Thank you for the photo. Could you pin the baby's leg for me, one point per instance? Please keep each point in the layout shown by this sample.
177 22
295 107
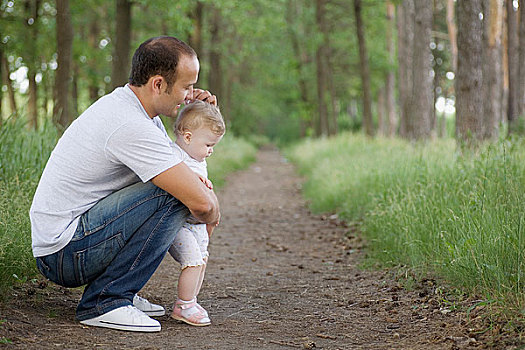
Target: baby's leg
186 308
190 282
185 249
201 276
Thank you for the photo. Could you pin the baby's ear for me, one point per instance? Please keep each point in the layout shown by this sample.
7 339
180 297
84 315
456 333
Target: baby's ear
187 136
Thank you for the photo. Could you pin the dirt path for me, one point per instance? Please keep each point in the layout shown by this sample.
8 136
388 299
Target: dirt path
279 277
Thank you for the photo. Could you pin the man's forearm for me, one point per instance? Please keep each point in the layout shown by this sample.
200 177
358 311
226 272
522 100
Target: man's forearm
183 184
212 214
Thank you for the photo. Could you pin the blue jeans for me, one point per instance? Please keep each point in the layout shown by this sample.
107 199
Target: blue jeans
118 245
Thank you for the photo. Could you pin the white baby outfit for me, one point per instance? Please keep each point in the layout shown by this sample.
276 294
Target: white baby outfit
190 246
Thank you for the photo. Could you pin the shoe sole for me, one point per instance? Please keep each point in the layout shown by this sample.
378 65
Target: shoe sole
155 313
189 322
121 327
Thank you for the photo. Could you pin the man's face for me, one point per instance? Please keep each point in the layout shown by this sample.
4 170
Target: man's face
182 89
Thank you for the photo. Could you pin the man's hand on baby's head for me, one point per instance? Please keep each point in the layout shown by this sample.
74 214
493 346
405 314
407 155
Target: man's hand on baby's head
204 95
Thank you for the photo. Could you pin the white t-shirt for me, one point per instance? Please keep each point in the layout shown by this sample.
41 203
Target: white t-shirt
201 168
113 144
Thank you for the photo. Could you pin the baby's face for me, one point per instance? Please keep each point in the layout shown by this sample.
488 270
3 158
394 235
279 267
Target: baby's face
199 143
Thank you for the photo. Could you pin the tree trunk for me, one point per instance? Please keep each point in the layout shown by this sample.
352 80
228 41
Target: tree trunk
74 89
32 109
47 94
121 59
420 110
492 67
435 85
31 57
195 39
322 72
381 112
9 84
469 99
452 33
365 72
512 37
2 73
505 52
390 93
334 112
93 42
405 25
64 32
521 79
301 60
215 82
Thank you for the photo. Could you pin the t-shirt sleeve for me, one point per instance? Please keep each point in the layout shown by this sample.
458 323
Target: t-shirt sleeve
143 148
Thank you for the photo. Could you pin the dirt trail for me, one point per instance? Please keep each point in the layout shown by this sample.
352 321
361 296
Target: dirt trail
279 277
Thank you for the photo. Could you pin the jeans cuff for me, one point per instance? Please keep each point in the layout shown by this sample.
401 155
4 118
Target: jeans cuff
101 309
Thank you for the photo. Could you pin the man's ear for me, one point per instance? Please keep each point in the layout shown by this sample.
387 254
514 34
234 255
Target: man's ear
187 137
156 84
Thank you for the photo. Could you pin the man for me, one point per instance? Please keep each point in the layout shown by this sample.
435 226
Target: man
114 192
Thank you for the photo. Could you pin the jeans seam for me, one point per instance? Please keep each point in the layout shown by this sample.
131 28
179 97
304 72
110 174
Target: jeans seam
60 265
79 261
135 205
43 264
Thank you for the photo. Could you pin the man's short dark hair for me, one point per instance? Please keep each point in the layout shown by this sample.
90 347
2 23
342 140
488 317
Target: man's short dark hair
158 56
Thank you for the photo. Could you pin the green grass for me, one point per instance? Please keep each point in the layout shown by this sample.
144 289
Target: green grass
230 154
428 206
23 155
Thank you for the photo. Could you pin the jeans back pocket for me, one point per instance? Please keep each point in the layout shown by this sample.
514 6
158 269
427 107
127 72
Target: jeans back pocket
91 262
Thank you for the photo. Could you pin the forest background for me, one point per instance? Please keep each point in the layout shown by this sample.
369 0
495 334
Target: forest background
437 87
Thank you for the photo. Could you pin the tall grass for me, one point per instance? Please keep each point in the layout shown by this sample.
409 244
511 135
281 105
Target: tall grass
428 206
23 155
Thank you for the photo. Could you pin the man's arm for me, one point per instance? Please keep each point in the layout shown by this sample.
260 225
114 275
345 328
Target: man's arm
182 183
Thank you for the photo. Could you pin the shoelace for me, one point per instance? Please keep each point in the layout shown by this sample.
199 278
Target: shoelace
135 313
140 299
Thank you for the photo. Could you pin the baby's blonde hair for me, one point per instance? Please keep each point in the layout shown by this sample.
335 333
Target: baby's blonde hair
200 114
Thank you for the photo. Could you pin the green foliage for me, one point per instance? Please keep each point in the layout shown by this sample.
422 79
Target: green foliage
257 140
229 155
267 86
456 214
24 154
4 340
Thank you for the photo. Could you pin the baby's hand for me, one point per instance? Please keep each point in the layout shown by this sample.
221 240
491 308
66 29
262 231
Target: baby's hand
209 228
193 220
206 182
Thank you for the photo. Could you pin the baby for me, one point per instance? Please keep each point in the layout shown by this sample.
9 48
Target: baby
198 129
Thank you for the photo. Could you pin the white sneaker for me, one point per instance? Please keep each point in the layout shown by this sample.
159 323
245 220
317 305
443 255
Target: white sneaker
125 318
148 308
